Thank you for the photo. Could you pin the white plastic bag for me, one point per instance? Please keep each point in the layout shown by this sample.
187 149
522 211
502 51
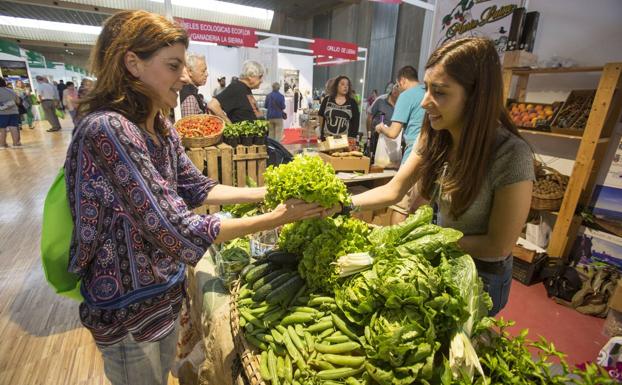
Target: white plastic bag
388 151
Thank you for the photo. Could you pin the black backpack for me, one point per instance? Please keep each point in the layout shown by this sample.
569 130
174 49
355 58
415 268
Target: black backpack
277 154
561 281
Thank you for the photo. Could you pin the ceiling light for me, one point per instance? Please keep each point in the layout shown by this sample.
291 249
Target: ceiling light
224 7
49 25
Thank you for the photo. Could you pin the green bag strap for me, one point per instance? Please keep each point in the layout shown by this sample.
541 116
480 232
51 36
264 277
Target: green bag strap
56 234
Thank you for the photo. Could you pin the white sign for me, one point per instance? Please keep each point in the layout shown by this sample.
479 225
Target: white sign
456 19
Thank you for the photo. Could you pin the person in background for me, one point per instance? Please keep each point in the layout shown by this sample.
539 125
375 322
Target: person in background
23 92
134 231
9 115
309 99
407 119
371 98
61 86
339 112
189 94
49 100
86 85
275 104
70 100
381 111
237 103
222 84
470 161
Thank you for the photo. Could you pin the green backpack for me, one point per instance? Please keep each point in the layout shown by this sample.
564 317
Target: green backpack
56 240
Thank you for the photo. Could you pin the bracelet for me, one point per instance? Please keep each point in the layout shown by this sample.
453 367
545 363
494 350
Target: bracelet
346 210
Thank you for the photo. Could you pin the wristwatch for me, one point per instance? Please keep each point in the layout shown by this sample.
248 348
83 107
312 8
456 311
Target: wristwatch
347 209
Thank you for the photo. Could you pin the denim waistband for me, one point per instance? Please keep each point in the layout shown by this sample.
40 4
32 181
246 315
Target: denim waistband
496 267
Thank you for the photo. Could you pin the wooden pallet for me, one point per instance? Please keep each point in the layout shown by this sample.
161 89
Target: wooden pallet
229 166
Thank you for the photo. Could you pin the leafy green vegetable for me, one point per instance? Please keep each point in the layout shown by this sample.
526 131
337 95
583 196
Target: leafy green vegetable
343 236
391 235
430 245
357 297
296 236
307 178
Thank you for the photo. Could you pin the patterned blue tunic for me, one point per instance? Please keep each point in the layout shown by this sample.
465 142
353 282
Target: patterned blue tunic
134 231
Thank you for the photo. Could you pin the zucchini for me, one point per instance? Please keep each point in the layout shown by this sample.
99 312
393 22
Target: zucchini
282 257
246 269
284 292
270 286
258 272
268 277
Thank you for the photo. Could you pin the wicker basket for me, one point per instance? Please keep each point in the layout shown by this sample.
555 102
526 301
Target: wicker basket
204 141
247 353
552 199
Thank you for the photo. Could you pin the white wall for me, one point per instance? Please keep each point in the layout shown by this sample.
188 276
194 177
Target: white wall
302 63
588 32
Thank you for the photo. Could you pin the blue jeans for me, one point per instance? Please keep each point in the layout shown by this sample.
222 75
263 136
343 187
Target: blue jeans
140 363
497 281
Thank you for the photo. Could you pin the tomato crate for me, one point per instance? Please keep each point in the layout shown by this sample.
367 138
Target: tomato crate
230 166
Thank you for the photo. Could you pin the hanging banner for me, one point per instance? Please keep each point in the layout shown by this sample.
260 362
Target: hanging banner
35 59
456 19
221 34
334 49
10 48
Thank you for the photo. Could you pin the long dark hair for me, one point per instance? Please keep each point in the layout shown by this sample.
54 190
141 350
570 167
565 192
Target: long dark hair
116 88
474 64
335 86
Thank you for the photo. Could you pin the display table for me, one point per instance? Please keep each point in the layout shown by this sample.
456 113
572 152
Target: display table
213 360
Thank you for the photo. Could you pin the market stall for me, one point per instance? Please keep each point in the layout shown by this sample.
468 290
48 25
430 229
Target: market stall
337 300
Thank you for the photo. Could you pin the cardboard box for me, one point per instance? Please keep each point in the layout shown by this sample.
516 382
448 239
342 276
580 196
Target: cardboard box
347 164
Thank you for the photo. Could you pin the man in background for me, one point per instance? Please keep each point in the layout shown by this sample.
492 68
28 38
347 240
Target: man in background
275 104
189 94
407 117
48 96
222 84
61 86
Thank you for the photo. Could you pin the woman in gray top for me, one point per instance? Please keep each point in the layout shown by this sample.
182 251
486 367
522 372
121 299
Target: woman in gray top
470 161
9 115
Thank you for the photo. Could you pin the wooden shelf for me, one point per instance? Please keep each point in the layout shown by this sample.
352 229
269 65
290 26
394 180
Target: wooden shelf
582 179
562 70
555 135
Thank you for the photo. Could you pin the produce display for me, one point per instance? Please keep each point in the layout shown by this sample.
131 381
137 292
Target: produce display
576 110
246 128
394 305
532 114
307 178
197 126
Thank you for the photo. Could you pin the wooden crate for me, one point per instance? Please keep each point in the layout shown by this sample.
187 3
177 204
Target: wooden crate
229 166
249 161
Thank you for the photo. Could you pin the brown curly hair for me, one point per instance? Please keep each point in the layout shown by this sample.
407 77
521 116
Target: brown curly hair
116 89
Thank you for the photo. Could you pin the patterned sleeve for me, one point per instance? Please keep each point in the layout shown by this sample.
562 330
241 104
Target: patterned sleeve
192 185
146 198
190 106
